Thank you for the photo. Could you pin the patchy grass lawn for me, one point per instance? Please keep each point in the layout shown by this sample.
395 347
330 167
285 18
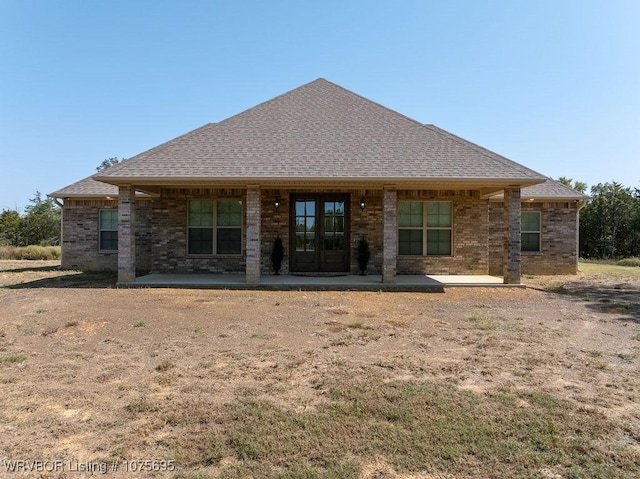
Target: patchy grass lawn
478 382
595 268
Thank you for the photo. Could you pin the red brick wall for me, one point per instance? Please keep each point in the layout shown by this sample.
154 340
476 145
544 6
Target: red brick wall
80 235
470 252
559 248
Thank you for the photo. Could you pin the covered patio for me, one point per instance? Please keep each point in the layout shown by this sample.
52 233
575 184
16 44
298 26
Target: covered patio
288 282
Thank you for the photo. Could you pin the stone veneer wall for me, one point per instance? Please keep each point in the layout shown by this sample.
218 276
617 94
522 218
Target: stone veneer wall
169 233
559 249
470 235
80 235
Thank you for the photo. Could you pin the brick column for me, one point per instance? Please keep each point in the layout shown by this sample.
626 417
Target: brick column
512 236
126 234
389 235
253 234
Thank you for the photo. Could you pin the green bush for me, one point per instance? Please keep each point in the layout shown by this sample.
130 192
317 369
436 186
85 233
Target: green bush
31 252
629 262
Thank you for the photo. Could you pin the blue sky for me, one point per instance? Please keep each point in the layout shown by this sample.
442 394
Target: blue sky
554 85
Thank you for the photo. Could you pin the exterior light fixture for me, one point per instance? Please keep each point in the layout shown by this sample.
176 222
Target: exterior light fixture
362 203
277 202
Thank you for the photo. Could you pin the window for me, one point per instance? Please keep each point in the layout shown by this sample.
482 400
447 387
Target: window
424 228
530 232
215 227
108 230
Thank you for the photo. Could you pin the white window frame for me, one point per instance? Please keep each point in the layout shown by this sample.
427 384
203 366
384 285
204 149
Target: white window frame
101 230
425 229
215 227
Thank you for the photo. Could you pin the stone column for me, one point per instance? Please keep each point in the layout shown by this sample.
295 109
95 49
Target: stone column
389 235
512 236
253 234
126 234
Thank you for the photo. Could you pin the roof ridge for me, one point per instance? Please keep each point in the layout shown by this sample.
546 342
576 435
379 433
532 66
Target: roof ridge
271 100
334 85
476 147
412 120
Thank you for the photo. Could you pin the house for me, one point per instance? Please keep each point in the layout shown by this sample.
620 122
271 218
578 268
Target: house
321 167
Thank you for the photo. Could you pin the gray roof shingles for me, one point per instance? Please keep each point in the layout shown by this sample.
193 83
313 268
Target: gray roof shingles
87 188
317 131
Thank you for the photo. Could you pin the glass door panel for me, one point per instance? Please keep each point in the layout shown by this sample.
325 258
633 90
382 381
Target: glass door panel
305 223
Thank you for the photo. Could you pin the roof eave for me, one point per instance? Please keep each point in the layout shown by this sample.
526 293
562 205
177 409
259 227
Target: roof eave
272 180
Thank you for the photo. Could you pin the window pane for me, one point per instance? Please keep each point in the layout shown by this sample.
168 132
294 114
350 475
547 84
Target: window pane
311 224
439 242
410 214
530 242
200 213
109 219
530 221
310 243
200 241
439 214
310 207
229 213
229 241
329 208
410 242
299 241
108 240
328 224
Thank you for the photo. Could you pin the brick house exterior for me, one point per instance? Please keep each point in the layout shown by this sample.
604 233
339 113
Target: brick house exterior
321 168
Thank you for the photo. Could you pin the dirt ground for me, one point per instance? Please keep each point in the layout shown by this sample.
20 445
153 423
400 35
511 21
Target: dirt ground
78 357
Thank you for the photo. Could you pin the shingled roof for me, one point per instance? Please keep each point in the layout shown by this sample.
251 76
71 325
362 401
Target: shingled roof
323 132
549 190
89 188
86 188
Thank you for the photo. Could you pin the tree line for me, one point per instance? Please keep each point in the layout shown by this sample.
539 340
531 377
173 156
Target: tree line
610 223
39 225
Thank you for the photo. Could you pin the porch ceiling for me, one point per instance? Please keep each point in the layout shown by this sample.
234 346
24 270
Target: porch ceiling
486 187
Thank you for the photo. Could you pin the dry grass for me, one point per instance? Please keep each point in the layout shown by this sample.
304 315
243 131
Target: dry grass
414 426
233 384
31 252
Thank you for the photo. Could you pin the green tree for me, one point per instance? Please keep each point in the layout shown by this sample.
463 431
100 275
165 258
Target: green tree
608 222
108 163
576 185
41 223
11 226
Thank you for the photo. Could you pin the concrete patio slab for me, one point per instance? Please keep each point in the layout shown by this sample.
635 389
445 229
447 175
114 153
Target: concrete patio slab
318 283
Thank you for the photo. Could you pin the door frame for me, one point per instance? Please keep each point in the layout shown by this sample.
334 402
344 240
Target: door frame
319 263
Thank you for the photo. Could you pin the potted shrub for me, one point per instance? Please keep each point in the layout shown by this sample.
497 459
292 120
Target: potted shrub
277 254
364 255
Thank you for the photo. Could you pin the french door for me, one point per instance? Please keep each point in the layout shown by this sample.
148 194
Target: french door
319 233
